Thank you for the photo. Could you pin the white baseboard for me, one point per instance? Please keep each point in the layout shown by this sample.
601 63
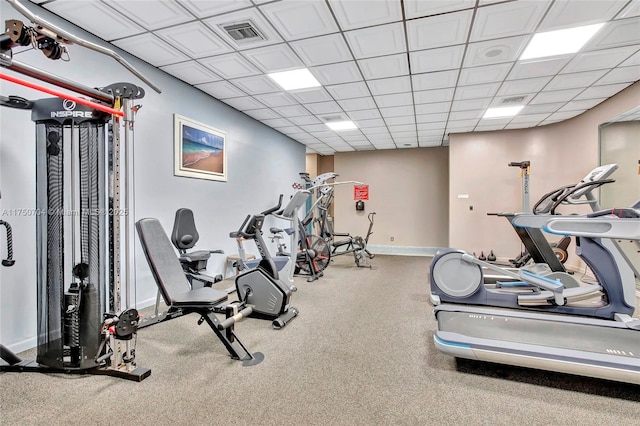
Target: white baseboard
23 345
402 250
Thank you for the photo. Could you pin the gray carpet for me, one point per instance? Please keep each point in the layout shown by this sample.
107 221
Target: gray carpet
360 353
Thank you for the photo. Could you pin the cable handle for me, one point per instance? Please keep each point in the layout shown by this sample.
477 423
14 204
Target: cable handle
9 260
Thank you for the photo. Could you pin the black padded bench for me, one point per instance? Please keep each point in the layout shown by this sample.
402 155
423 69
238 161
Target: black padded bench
178 294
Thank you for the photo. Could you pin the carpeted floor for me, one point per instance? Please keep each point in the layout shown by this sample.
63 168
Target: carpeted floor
360 353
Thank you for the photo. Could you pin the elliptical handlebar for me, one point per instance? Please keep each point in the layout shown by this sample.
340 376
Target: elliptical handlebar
550 201
273 209
239 233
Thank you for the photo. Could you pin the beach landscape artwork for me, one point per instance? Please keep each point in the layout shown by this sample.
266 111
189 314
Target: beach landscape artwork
199 150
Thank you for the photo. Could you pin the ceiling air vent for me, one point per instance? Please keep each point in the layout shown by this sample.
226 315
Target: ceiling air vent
243 32
513 100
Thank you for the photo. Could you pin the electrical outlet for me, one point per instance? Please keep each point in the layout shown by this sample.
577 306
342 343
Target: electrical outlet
391 238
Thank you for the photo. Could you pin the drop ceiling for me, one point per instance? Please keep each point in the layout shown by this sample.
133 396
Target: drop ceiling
407 72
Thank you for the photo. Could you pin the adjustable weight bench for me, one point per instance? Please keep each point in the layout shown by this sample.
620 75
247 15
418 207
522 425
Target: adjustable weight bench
178 294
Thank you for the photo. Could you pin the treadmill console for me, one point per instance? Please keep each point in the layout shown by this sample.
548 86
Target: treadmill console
599 173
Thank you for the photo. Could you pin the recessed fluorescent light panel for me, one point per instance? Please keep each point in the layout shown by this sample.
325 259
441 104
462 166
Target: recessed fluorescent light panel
296 79
502 112
559 42
341 125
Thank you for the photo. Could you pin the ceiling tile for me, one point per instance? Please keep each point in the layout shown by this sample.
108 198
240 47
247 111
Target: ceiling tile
365 13
621 75
567 14
575 80
243 104
221 90
384 66
310 96
275 99
204 9
616 34
494 51
390 85
436 59
484 74
545 108
270 36
349 90
357 104
438 125
151 49
317 129
183 36
508 19
431 118
377 41
561 116
466 115
470 104
524 86
632 60
372 123
277 57
599 59
605 91
324 107
231 65
191 72
164 14
299 120
322 50
438 31
261 114
375 132
364 114
400 129
538 68
97 18
277 122
528 118
555 96
433 108
581 105
477 91
434 80
397 111
418 8
300 19
344 72
400 120
256 84
396 99
632 9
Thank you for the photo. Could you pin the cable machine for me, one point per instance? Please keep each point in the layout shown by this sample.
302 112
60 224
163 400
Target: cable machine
84 213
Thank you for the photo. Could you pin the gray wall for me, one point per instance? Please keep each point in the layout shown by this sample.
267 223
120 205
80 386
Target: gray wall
262 163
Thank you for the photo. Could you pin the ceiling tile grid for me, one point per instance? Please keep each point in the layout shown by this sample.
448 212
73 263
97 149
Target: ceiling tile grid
407 72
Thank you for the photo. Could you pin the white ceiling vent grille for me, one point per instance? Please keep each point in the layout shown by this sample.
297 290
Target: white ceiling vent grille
513 100
243 32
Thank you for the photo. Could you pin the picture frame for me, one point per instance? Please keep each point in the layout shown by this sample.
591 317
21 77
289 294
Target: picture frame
199 150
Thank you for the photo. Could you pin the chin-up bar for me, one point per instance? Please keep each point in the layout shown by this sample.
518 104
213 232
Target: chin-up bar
62 95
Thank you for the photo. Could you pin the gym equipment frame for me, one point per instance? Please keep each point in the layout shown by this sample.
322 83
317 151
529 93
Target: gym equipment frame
86 212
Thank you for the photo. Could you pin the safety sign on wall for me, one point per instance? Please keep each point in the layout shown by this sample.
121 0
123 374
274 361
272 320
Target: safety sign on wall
361 192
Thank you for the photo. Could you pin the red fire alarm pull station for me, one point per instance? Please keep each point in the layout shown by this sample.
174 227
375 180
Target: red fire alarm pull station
361 192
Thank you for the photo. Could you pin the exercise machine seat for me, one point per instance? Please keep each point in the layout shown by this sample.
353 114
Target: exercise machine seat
168 273
185 236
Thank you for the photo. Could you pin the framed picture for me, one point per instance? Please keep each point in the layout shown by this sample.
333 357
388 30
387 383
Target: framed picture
200 150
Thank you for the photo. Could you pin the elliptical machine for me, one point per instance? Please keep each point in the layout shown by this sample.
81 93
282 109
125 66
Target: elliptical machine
262 287
581 329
